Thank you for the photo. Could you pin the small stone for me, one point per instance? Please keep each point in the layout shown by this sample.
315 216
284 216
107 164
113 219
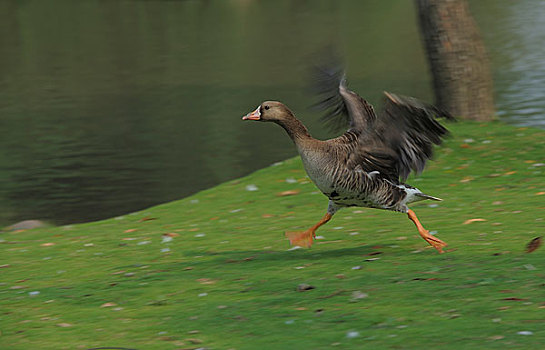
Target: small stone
359 295
304 287
525 333
251 187
352 334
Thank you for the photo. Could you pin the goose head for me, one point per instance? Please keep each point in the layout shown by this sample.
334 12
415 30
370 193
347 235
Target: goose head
270 111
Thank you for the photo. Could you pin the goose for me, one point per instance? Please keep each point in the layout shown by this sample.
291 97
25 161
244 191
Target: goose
368 164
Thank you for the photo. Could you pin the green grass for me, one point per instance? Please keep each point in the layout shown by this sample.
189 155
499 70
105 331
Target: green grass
235 287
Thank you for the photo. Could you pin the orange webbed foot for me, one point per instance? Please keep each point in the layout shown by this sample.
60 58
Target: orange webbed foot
301 238
433 241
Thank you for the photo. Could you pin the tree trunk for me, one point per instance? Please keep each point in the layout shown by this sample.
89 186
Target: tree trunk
458 60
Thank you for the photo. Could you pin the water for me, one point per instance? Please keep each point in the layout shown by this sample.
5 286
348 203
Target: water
108 107
514 32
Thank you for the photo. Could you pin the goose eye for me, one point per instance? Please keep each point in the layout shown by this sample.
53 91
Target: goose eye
267 107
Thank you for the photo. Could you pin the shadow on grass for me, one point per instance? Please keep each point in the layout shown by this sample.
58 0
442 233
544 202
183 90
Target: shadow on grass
241 256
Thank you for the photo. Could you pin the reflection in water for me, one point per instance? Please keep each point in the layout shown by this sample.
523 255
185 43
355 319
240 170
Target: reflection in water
110 107
514 32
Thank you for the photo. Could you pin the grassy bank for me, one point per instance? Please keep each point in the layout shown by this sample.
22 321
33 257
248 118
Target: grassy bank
214 270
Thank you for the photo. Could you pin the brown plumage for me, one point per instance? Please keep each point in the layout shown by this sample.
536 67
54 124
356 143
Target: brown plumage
364 166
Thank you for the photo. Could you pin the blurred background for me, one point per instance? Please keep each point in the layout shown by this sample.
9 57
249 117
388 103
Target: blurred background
107 107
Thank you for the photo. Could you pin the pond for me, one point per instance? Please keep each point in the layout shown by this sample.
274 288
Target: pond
108 107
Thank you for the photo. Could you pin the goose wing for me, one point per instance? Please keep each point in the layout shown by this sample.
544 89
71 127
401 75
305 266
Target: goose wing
409 129
343 107
395 143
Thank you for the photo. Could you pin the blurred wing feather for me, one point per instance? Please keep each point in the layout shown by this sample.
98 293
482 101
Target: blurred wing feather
408 127
343 108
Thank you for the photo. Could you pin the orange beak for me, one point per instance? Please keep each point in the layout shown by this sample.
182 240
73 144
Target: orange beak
255 115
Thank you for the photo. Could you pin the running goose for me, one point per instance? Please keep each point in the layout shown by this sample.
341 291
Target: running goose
366 166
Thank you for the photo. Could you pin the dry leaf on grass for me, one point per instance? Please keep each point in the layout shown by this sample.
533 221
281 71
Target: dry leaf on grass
288 193
472 220
63 324
108 305
534 244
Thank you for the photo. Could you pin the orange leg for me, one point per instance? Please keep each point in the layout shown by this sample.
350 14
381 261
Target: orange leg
435 242
305 238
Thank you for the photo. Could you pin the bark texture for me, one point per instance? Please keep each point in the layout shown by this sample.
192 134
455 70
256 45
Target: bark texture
458 60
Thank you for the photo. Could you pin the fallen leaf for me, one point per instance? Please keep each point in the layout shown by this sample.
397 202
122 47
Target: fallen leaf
47 244
472 220
373 253
467 179
147 218
108 305
129 230
171 234
540 193
5 265
206 281
63 324
194 341
514 299
534 244
231 261
332 294
288 193
510 173
266 216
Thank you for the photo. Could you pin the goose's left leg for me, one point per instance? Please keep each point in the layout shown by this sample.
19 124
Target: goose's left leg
434 241
306 238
